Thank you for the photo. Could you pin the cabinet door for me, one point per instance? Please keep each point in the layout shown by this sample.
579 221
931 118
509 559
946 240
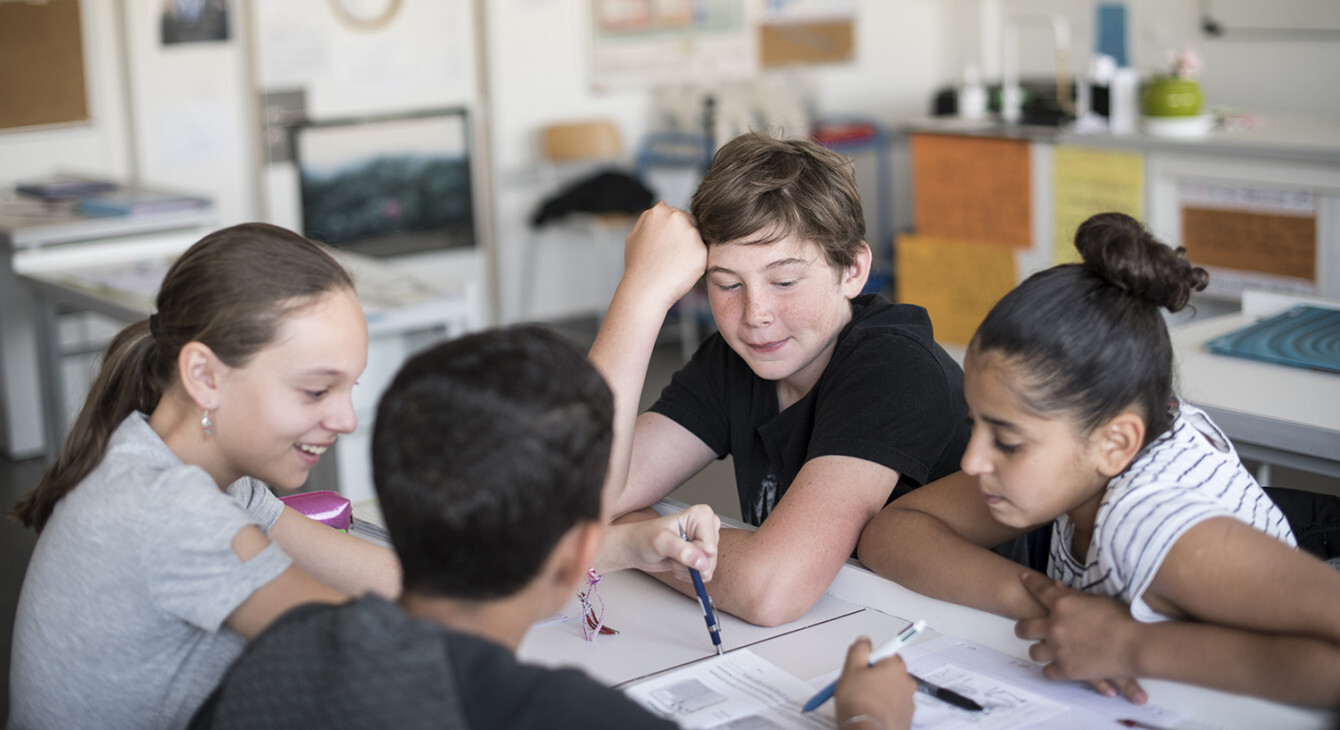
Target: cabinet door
1259 224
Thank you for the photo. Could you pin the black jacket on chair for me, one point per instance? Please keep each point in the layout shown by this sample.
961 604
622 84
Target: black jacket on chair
608 191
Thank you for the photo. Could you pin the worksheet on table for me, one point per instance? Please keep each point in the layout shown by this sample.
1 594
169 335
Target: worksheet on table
1013 692
739 691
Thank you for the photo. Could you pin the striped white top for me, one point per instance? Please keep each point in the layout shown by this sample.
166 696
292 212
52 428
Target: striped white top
1189 474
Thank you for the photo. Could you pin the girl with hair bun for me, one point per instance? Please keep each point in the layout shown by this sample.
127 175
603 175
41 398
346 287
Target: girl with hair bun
1167 560
160 549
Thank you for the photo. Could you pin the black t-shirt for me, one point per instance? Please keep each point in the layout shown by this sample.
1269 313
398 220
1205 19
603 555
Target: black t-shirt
889 395
367 664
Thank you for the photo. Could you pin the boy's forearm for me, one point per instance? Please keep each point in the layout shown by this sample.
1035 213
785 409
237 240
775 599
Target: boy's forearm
751 588
622 352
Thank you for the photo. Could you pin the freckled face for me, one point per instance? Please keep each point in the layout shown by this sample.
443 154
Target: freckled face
1030 468
780 306
278 413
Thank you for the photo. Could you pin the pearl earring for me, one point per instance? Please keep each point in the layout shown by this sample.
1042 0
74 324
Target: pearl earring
207 425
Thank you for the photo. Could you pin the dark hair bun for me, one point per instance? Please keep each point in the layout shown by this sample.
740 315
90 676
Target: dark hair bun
1117 248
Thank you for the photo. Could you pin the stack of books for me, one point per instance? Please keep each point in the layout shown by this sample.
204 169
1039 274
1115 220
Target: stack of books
128 200
96 197
63 187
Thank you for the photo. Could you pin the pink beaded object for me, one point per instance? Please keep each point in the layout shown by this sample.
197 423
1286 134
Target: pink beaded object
593 624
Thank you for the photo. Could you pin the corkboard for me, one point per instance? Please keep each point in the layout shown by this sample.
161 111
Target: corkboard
974 190
41 64
792 44
1284 245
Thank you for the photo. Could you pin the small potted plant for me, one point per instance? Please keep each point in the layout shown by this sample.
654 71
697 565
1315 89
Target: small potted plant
1176 92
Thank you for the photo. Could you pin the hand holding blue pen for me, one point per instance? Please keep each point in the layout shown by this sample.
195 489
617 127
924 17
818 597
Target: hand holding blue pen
713 628
883 652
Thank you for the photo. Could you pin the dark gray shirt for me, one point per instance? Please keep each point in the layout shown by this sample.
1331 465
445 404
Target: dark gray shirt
368 664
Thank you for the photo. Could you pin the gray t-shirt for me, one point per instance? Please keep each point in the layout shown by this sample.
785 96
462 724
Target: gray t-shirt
120 622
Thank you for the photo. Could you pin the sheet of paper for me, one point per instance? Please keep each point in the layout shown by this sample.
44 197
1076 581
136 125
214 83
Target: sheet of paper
1005 706
659 629
571 611
739 690
1013 691
136 282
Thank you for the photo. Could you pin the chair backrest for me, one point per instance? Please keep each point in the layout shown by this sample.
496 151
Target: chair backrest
581 141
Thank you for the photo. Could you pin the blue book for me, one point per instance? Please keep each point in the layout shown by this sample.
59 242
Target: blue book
138 201
1304 336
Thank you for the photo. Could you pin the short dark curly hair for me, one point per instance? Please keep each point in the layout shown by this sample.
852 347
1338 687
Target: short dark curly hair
486 450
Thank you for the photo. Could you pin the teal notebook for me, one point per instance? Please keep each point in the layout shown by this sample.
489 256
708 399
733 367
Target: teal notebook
1305 337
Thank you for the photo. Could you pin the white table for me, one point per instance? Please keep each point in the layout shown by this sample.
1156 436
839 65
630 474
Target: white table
1275 414
662 630
33 234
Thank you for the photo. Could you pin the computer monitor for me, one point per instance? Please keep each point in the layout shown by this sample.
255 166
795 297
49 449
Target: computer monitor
387 185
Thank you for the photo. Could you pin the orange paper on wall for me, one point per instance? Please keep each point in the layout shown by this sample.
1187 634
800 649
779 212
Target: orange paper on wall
1280 244
969 189
957 282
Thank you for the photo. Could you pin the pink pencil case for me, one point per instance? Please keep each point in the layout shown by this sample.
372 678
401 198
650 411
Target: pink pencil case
326 507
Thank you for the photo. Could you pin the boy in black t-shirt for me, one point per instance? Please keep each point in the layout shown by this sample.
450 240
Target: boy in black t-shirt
830 402
489 457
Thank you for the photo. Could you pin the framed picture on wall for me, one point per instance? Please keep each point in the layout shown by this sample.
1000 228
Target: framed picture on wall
194 21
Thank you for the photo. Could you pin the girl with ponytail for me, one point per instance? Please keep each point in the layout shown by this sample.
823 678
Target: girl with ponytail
1167 560
161 549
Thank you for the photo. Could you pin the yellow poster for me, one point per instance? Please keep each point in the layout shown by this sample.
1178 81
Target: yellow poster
1086 181
957 282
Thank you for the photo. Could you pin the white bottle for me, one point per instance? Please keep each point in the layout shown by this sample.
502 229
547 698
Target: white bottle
1124 101
971 95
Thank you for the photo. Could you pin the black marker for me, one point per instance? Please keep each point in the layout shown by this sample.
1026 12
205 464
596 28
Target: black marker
947 695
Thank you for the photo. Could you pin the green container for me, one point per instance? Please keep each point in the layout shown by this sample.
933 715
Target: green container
1172 98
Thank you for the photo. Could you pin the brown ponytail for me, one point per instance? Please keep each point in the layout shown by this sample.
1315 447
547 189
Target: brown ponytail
230 291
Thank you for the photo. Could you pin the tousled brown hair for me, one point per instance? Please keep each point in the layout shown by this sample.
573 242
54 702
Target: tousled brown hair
762 189
229 291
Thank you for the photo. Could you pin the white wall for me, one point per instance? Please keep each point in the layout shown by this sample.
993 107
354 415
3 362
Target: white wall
1291 74
192 112
173 115
539 73
193 122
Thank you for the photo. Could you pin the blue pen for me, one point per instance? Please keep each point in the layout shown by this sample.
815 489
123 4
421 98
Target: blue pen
883 652
709 615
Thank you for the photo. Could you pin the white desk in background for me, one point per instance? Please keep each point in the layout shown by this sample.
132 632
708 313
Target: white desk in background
31 234
1275 414
663 630
404 314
